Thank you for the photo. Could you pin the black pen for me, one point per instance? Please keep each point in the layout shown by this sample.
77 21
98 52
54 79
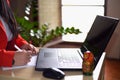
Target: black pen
80 54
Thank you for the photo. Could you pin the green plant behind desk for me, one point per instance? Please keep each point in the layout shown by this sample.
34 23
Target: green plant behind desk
40 36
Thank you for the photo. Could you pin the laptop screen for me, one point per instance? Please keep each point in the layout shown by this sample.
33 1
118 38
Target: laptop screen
99 35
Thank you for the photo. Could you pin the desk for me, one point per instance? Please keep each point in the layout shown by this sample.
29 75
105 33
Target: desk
29 73
67 41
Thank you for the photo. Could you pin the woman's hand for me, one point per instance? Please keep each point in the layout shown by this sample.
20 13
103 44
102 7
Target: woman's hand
30 47
22 57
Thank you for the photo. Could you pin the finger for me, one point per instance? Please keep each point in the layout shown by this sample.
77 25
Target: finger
34 50
25 62
31 46
29 52
29 60
30 56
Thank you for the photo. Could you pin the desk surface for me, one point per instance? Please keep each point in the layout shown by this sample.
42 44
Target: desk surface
29 73
67 41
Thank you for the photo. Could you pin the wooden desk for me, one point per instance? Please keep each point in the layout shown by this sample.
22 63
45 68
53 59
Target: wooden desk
29 73
62 43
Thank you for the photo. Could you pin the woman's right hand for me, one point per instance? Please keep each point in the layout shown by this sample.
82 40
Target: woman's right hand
22 57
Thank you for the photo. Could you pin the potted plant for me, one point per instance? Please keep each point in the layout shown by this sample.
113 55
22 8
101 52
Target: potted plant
41 36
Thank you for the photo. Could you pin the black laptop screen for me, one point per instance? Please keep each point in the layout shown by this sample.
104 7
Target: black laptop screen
99 35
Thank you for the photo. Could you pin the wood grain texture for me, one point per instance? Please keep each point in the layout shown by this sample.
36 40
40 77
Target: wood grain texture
112 69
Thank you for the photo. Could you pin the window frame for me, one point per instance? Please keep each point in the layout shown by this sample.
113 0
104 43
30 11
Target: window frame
105 8
83 35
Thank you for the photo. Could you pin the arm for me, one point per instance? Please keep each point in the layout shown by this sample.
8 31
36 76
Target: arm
7 50
20 41
8 54
6 57
23 44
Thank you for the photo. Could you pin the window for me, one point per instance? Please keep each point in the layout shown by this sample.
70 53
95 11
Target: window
81 13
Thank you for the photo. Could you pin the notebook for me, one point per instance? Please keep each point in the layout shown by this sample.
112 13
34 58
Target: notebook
71 58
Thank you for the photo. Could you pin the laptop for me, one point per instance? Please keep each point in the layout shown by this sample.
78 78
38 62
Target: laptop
71 58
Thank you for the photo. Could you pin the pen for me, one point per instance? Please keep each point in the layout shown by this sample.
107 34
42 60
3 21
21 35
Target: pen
17 48
80 54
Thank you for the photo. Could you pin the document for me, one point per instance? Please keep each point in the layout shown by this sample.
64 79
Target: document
31 63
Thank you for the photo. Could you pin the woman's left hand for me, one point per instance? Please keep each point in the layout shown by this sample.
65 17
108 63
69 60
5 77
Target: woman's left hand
31 48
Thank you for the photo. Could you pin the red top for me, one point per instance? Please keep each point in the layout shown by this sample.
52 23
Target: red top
8 1
7 49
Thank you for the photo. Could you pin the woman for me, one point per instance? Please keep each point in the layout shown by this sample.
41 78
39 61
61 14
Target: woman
9 37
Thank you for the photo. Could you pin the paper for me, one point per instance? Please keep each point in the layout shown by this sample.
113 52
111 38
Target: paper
31 63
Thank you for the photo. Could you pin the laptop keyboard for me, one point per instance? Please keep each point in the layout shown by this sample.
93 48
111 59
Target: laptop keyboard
69 59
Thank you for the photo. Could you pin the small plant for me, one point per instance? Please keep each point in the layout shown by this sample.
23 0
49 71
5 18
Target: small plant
40 36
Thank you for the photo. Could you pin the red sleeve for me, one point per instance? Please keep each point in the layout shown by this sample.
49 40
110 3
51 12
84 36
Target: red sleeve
8 1
20 41
6 58
7 49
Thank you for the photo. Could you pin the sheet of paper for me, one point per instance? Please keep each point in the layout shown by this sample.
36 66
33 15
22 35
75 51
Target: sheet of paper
31 63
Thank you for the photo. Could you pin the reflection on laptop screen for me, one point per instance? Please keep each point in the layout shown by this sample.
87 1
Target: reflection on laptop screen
99 35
